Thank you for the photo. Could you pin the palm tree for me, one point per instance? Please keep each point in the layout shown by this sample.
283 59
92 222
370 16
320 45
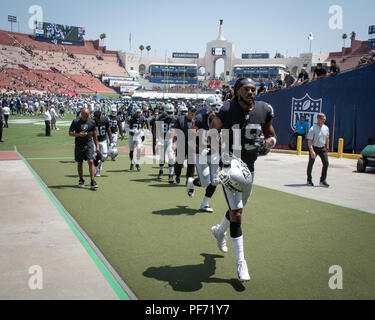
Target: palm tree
148 48
278 55
353 35
344 37
141 47
102 37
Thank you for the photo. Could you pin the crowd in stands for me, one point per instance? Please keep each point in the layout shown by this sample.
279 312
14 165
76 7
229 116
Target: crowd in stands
180 88
27 64
370 59
44 80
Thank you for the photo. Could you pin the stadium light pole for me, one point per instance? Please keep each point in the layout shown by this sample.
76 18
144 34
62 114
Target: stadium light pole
12 19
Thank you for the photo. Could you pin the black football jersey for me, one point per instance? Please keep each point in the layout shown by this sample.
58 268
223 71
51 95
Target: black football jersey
113 122
250 125
78 125
168 124
101 128
202 121
137 123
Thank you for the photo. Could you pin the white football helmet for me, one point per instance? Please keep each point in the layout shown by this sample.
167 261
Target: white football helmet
211 103
136 109
237 177
113 110
113 152
169 109
182 110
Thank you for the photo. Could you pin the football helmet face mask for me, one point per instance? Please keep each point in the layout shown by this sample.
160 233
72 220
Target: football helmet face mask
169 109
183 110
113 110
211 103
237 177
137 112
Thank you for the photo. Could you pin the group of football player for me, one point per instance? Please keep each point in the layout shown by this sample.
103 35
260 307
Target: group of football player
234 170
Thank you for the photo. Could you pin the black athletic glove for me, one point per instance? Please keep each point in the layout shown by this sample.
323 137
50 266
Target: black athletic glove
143 138
261 145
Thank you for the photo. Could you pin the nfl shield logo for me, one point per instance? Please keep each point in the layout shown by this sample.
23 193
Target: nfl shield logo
306 106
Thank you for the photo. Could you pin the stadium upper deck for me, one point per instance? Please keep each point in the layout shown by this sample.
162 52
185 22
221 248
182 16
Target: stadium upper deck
22 52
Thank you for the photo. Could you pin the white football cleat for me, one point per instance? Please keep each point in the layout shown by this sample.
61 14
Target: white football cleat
190 187
220 238
206 208
242 271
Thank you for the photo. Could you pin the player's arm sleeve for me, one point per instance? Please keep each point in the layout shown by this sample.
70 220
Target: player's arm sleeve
270 113
72 129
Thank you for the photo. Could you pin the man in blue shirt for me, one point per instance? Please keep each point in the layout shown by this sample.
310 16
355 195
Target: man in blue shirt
302 127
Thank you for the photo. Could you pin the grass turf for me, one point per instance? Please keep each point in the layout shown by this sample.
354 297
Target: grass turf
162 247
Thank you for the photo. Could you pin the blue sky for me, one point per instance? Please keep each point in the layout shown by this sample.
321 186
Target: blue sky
186 26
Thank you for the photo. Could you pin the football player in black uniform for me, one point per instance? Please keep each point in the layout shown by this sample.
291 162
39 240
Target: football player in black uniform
104 134
253 120
136 124
207 160
184 122
153 129
164 140
115 125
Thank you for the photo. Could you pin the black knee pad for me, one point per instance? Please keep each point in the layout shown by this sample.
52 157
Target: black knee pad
235 229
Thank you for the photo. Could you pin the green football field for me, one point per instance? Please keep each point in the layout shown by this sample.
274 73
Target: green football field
162 247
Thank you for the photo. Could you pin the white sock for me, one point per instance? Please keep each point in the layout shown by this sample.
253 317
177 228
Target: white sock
131 162
205 201
237 244
224 225
171 170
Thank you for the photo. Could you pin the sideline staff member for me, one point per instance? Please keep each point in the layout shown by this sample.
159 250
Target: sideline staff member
84 131
302 127
318 141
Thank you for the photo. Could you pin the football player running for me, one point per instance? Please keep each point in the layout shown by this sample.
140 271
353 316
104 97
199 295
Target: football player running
115 125
165 140
136 138
253 120
207 168
104 134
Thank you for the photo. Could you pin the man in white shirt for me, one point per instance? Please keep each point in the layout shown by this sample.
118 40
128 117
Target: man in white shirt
318 142
53 118
6 113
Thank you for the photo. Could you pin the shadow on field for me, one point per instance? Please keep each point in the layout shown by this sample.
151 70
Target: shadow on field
176 211
84 176
67 161
370 170
123 170
71 186
190 278
296 185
